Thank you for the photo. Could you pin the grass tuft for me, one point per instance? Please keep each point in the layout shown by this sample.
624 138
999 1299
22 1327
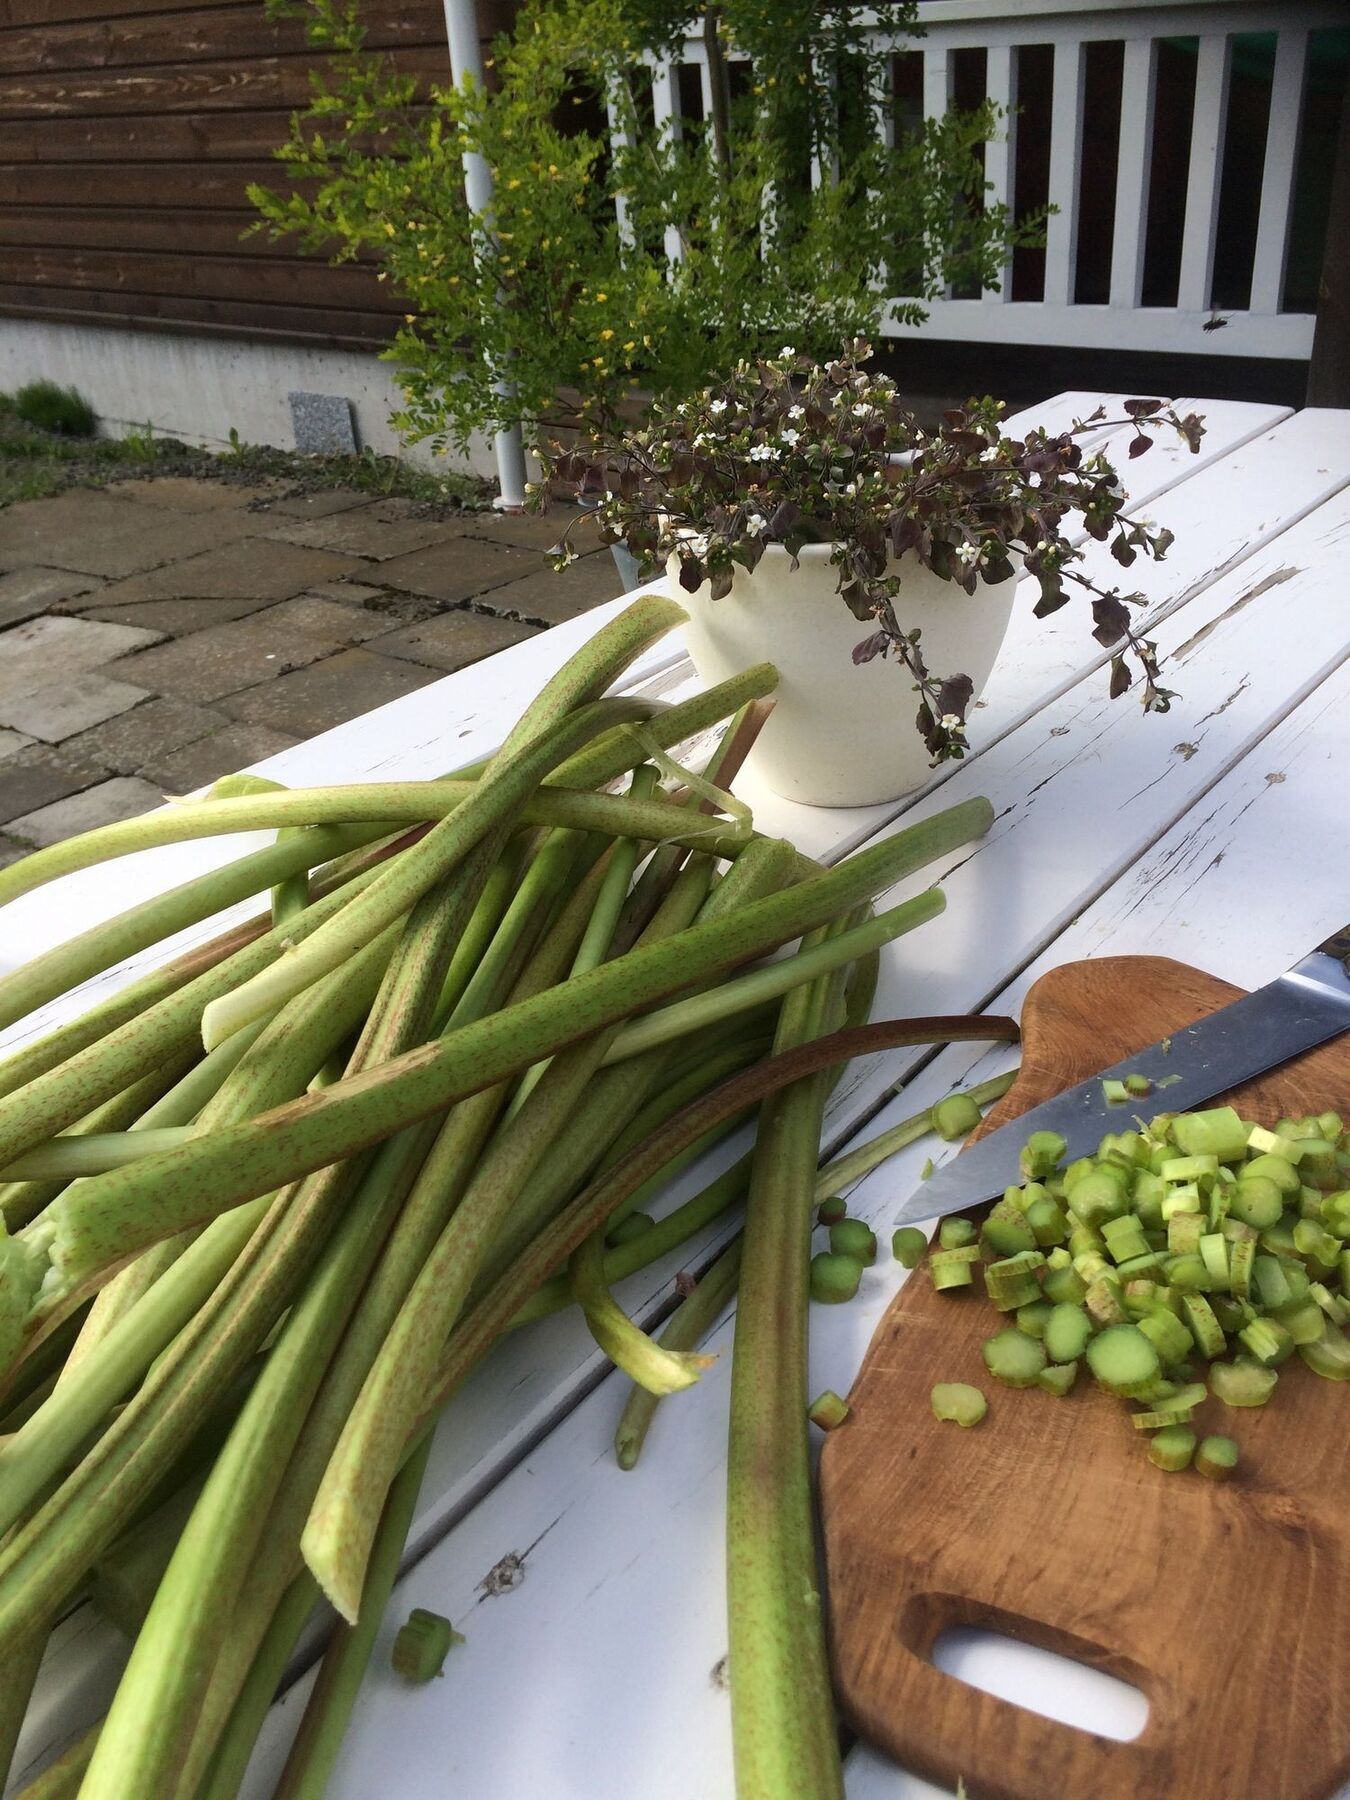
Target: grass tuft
53 408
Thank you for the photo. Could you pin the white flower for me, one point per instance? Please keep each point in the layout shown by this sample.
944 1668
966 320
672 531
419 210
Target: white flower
699 545
788 350
764 453
861 410
989 455
950 722
717 406
791 437
756 523
796 412
851 489
969 554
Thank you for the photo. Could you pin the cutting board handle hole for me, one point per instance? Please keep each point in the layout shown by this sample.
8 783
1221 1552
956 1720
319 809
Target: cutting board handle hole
1042 1681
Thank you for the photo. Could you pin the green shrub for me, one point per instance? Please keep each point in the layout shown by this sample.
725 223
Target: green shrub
53 408
647 259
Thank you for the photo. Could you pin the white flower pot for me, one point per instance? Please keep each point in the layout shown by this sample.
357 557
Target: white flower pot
841 734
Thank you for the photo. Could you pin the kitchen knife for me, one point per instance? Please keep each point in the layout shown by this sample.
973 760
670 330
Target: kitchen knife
1305 1007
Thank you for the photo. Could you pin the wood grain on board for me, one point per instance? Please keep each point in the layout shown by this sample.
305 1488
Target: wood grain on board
1224 1604
186 91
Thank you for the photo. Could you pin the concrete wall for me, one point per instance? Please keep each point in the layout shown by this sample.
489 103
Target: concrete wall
199 388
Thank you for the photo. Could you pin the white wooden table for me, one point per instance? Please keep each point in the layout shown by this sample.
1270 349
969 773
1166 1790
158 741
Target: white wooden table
1114 833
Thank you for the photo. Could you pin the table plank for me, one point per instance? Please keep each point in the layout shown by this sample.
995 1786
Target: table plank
610 1643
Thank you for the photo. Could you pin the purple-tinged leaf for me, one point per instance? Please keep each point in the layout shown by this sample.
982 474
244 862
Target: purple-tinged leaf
868 647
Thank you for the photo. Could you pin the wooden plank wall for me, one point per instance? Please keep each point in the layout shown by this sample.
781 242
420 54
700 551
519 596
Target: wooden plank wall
129 130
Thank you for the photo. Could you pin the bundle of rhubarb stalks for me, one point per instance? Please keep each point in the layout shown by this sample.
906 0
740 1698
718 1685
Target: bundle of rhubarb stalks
268 1205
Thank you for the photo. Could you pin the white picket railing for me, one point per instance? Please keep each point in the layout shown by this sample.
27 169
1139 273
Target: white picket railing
1001 29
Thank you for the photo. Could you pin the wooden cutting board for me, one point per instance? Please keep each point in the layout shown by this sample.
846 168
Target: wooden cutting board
1227 1604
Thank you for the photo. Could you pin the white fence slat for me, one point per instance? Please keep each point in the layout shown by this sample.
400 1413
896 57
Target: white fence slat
622 134
937 90
1000 154
1278 174
937 82
1213 68
666 115
824 78
1155 328
1066 156
985 22
883 109
1138 86
699 56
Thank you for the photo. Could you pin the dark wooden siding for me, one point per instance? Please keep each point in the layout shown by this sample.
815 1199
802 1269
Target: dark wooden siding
129 131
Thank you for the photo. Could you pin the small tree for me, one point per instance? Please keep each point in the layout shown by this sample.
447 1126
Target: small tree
621 255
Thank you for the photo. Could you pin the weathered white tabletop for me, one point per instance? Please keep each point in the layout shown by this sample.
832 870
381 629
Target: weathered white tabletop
595 1676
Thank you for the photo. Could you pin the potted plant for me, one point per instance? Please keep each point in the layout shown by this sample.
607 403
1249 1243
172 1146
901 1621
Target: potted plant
627 255
794 500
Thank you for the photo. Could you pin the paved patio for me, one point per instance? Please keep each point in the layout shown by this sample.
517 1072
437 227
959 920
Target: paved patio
161 633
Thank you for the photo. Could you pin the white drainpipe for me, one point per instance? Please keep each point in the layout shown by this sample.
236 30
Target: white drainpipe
466 60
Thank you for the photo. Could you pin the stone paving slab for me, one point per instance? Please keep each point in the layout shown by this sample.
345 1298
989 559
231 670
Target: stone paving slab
348 593
60 710
25 521
172 618
190 493
461 570
453 640
94 534
198 764
24 593
11 742
378 531
329 693
255 568
318 505
554 598
225 658
534 531
42 647
121 798
156 729
32 779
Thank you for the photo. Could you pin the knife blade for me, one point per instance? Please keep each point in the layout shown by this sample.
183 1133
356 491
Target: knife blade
1300 1009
